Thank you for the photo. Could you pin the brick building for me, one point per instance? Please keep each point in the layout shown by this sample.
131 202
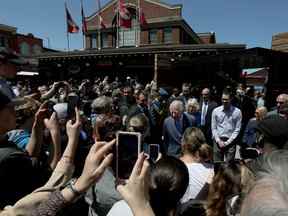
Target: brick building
25 45
165 25
280 42
167 49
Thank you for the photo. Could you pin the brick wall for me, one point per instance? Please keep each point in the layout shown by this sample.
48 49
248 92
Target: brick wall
176 35
30 40
151 10
280 42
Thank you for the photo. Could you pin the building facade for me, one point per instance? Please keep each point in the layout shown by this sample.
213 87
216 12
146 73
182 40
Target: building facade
280 42
165 25
165 49
25 45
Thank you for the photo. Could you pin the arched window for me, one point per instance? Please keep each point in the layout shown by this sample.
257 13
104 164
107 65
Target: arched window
24 48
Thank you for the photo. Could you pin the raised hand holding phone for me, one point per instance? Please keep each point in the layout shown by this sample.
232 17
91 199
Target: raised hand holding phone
128 147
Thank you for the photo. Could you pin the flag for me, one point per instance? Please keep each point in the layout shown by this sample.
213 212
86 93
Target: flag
102 22
71 25
124 15
142 19
84 23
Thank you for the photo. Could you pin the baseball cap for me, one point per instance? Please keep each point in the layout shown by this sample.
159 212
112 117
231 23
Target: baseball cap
275 129
6 101
9 55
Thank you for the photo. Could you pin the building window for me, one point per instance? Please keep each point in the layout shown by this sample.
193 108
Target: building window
24 49
94 42
104 40
153 36
36 49
3 41
167 35
128 37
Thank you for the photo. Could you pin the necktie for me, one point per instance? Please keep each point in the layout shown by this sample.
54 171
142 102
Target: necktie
203 114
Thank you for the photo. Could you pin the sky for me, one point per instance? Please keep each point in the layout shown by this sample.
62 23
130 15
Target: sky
250 22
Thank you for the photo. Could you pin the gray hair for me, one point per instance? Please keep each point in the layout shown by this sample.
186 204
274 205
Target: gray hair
102 104
178 105
269 194
274 165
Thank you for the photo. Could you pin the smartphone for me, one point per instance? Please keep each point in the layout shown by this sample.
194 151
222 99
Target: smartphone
153 152
128 147
73 101
50 108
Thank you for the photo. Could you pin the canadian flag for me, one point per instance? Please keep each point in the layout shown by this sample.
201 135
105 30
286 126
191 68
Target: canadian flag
72 27
124 15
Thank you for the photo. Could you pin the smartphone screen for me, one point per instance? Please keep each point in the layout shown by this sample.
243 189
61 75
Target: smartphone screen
127 150
73 101
153 152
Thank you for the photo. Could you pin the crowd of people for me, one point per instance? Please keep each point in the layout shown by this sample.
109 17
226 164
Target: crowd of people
220 153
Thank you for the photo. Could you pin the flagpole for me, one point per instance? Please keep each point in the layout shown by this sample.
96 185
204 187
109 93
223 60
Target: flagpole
136 24
139 25
67 33
118 20
83 34
99 26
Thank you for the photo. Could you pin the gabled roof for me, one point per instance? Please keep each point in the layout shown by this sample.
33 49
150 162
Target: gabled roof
110 3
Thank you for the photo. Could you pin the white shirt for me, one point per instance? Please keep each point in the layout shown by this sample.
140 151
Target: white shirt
199 173
120 208
226 123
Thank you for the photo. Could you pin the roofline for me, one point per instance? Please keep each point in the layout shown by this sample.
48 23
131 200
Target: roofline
7 27
280 34
193 34
145 50
169 6
206 33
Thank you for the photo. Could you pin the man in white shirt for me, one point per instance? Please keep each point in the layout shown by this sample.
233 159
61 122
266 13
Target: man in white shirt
226 125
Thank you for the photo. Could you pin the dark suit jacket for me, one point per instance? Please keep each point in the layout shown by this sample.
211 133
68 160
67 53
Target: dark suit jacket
207 127
172 137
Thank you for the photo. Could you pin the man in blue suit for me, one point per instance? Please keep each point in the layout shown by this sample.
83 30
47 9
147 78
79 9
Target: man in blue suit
174 127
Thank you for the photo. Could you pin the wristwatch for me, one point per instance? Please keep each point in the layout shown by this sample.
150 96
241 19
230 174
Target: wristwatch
72 188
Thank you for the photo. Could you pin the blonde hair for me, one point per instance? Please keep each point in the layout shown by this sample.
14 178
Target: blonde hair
192 102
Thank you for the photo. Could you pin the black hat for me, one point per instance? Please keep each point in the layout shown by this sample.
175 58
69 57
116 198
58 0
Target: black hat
8 55
275 129
5 101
